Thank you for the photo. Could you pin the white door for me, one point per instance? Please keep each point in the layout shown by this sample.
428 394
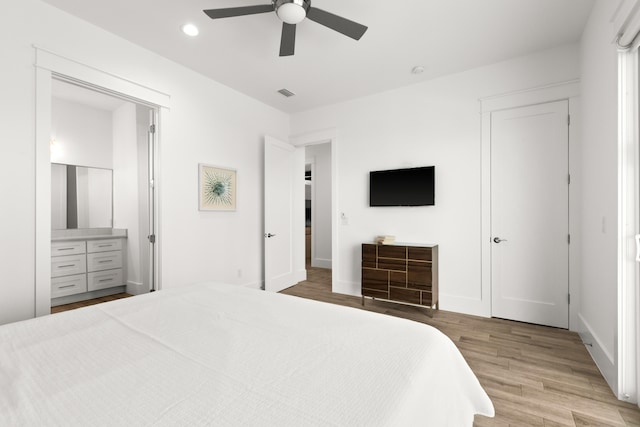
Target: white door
148 253
279 166
529 214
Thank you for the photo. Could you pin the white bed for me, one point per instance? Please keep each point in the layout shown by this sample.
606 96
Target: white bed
222 355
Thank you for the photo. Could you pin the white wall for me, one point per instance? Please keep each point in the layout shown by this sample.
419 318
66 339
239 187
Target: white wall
83 135
320 157
207 123
599 79
433 123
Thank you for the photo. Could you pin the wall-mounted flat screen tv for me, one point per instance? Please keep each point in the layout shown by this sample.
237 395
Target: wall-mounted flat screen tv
402 187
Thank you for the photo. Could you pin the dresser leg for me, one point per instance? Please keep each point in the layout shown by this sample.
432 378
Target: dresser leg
432 309
363 300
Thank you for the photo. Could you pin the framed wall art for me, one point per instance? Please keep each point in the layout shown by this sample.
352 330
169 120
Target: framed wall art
217 188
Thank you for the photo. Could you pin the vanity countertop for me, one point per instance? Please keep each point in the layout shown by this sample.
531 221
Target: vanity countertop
88 234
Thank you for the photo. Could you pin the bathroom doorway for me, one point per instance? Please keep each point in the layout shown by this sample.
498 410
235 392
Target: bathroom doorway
108 224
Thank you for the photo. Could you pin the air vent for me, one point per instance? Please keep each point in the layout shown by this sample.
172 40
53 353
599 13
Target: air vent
285 92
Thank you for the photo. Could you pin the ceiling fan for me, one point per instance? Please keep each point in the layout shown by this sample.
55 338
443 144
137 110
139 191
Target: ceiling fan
292 12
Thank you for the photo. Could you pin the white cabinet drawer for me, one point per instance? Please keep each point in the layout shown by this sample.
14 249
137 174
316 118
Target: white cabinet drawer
68 285
104 261
104 279
68 265
104 245
67 248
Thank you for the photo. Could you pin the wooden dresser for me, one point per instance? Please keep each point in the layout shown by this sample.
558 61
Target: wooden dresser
406 273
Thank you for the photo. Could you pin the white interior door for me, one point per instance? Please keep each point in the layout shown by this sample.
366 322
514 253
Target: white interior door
279 166
149 251
529 214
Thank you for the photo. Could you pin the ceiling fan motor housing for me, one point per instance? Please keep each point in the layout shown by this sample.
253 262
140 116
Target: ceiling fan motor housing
291 11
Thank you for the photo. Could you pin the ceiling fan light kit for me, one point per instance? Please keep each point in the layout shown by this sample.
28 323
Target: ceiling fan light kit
291 13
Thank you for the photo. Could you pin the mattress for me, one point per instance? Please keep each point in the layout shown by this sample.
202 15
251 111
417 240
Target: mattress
223 355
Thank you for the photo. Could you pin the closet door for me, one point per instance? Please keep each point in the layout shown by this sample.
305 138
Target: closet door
530 214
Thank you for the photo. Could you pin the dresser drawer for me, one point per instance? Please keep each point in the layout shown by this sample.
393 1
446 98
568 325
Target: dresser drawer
104 279
104 245
67 248
68 285
68 265
104 261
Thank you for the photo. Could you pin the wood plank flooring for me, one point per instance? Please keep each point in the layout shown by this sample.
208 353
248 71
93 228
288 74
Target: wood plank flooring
72 306
535 375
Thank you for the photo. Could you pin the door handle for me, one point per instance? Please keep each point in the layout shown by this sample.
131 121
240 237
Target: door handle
269 235
498 240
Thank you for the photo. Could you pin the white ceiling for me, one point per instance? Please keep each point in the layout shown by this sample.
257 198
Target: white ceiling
443 36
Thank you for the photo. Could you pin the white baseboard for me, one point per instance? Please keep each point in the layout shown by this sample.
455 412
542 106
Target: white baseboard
321 263
136 288
348 288
604 360
253 285
300 276
471 306
464 305
87 295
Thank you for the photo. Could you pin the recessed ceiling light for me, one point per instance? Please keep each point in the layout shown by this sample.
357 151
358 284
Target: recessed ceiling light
418 70
190 30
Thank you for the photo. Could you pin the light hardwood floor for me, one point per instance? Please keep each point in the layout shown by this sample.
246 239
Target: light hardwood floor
535 375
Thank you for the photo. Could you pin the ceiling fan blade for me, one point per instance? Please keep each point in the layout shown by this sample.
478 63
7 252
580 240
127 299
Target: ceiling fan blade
288 40
238 11
337 23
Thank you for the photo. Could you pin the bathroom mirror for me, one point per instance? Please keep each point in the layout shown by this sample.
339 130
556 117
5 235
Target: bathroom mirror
81 197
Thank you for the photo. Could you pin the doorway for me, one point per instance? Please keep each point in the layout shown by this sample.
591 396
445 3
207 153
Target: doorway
318 206
114 136
50 66
530 214
285 230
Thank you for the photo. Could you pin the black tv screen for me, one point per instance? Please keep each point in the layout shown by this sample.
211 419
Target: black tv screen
402 187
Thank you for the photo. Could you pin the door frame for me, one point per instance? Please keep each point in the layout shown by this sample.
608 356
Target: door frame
327 136
48 65
628 336
569 91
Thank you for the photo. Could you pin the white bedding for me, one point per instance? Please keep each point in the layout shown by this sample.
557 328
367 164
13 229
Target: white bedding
222 355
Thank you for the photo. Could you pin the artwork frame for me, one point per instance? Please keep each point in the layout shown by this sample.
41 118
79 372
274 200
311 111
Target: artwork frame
217 188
